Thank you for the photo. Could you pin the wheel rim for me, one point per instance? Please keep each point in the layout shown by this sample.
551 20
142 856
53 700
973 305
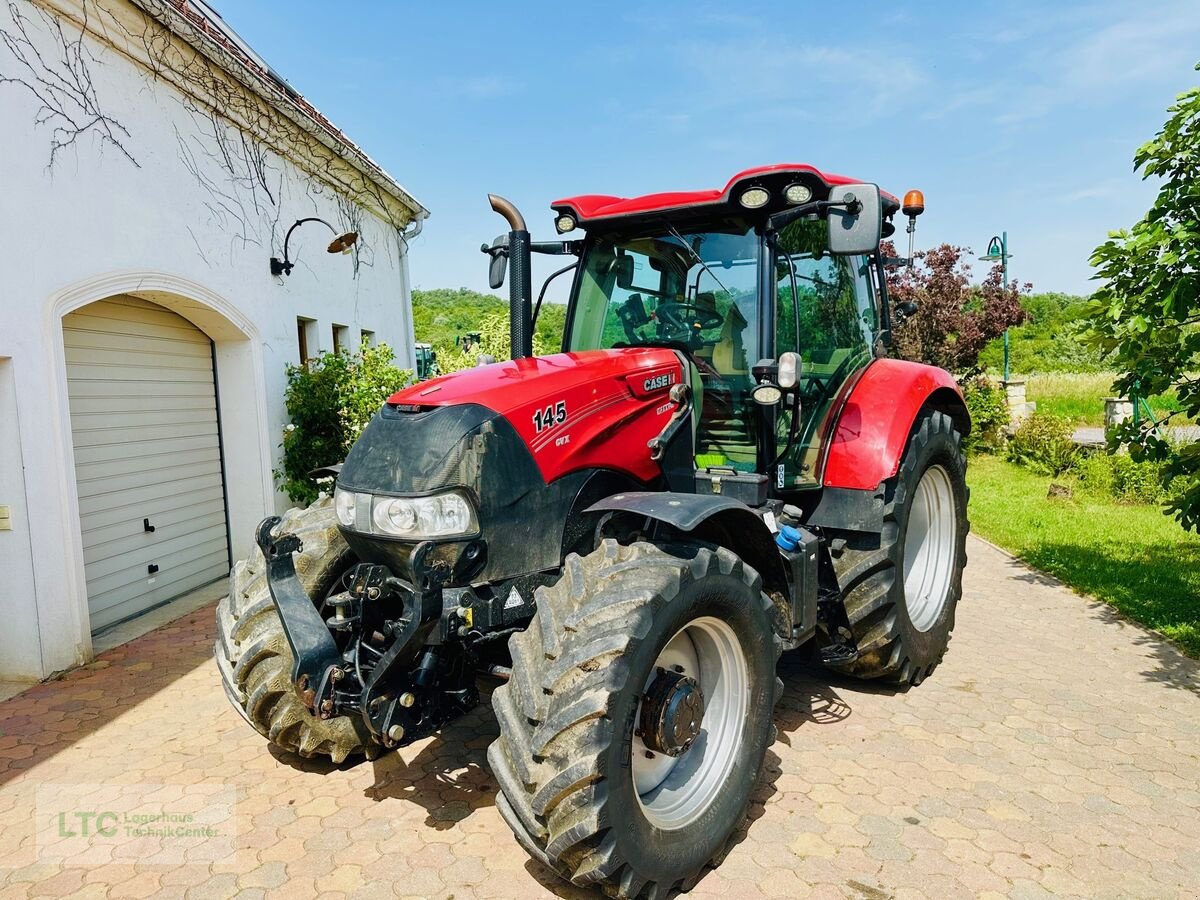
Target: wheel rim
929 548
674 791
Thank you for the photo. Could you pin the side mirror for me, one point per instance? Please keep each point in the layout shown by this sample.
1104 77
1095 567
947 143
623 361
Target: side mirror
499 260
905 310
856 226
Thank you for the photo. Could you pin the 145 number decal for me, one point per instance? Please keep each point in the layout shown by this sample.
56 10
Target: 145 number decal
554 414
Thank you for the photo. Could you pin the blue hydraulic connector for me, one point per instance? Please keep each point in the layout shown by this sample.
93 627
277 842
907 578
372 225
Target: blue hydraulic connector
788 538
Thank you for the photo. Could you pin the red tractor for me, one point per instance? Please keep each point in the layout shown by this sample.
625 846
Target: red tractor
722 465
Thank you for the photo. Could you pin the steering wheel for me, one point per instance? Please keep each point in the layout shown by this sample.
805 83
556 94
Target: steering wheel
682 318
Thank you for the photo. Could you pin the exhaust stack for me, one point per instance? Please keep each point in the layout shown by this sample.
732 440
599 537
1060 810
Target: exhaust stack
520 284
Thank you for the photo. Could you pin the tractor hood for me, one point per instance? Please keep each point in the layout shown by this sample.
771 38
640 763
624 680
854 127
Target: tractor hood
521 439
569 411
595 408
513 384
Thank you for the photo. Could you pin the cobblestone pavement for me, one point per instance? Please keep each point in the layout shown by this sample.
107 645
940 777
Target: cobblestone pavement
1055 752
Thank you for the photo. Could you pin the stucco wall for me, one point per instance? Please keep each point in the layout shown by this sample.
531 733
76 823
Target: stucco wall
164 199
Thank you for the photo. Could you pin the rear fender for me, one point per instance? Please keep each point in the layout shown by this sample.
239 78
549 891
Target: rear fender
875 422
718 520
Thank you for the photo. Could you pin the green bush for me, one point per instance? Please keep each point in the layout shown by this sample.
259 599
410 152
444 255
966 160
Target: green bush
989 414
329 401
1123 478
1042 443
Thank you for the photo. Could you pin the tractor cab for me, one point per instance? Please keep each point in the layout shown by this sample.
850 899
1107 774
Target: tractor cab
772 287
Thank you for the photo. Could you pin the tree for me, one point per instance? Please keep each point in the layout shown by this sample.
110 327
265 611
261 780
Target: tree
954 319
442 314
1147 311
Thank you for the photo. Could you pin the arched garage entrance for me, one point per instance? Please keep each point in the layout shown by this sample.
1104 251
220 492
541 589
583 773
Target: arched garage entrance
145 432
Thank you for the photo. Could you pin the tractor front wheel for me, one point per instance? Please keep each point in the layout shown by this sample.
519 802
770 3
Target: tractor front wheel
901 596
638 714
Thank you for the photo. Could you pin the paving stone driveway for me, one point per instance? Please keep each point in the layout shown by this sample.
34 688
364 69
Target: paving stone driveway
1056 751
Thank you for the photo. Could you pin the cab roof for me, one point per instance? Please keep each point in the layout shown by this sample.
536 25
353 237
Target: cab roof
592 208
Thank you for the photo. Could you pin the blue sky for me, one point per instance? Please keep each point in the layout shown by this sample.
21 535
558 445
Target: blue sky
1025 119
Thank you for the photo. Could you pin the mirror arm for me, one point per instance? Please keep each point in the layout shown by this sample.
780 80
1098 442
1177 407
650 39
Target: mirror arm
545 284
557 248
780 219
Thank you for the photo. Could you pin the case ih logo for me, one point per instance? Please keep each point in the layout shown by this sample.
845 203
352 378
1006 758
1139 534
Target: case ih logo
658 382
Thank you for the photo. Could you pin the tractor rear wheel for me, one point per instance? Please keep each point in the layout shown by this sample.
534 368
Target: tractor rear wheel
634 726
901 597
253 655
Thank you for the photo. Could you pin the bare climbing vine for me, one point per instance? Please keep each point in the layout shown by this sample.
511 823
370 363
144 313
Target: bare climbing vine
351 218
61 82
236 151
241 136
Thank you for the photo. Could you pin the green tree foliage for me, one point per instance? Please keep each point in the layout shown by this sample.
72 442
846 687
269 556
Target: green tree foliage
1049 340
494 341
329 401
1147 310
441 315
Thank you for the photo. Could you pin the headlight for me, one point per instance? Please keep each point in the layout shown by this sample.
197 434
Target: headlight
797 193
343 504
441 515
754 197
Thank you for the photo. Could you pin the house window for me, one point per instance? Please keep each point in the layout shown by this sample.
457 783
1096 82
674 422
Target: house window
341 338
306 338
368 337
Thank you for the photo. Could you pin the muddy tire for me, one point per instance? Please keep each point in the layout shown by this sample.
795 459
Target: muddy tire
577 786
253 655
901 596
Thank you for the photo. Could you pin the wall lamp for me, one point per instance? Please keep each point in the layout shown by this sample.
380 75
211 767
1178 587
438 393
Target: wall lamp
342 243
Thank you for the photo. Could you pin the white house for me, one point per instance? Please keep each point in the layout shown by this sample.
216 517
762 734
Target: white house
151 167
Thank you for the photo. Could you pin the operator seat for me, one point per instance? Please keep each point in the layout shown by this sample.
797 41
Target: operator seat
729 353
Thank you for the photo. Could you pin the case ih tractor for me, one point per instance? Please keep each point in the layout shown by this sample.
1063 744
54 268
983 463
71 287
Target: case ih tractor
720 466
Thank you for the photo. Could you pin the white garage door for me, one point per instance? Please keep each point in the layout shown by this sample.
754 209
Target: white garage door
147 455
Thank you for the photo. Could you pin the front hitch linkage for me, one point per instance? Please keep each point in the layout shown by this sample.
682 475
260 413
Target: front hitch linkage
316 668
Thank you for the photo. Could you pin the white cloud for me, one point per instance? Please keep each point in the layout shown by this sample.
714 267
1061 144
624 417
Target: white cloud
1058 58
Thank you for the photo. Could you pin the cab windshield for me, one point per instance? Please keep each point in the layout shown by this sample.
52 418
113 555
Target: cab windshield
694 290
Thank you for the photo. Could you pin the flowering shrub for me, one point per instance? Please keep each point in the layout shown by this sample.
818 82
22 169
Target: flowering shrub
329 401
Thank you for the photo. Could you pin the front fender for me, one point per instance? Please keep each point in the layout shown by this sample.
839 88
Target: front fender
874 424
718 520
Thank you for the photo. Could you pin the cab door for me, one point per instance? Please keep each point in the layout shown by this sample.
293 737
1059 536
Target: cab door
826 310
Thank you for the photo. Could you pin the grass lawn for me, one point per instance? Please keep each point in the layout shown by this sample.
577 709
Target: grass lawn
1132 557
1080 396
